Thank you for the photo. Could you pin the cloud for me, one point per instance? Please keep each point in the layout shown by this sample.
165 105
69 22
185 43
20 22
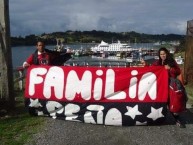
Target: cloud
143 16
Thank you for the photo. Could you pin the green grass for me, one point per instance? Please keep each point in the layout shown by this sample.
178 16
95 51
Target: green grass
17 127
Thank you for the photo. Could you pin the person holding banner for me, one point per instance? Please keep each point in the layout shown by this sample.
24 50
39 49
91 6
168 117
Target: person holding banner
177 94
43 56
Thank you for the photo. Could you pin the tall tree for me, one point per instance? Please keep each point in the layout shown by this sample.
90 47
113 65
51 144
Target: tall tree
6 69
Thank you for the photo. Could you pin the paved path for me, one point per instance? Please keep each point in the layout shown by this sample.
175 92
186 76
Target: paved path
60 132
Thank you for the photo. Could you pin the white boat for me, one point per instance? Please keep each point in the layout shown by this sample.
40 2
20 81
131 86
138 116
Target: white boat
59 46
156 57
113 47
172 51
129 59
179 60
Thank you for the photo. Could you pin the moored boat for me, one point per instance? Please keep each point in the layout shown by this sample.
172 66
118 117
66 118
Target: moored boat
179 60
112 48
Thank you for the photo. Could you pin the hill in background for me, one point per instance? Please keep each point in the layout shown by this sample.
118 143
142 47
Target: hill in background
96 37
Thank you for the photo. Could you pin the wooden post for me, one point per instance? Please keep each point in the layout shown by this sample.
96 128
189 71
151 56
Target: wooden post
188 66
6 68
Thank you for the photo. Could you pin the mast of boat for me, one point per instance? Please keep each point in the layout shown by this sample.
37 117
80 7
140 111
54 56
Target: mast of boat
135 42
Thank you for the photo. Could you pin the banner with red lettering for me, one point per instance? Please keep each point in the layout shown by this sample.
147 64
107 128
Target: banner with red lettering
98 95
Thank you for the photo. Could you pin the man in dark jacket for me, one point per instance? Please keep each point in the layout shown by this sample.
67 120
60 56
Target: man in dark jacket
43 56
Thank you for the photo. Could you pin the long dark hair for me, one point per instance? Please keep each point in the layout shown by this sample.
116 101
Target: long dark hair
169 58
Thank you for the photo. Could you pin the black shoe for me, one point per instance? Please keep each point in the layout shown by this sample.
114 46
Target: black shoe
180 124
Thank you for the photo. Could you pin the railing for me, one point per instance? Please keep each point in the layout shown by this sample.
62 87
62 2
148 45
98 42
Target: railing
101 63
19 75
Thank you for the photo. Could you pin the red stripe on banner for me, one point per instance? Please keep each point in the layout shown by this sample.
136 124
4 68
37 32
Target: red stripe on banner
94 84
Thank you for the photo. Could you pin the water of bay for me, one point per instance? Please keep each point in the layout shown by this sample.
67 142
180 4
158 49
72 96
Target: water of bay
20 53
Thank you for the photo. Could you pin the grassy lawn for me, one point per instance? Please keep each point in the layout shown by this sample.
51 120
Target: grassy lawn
17 127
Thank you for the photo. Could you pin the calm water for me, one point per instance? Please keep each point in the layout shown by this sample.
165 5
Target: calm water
20 54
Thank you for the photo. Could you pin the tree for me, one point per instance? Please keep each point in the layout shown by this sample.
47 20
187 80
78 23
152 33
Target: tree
7 98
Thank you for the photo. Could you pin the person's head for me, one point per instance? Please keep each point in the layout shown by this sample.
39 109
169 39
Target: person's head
40 46
165 58
163 53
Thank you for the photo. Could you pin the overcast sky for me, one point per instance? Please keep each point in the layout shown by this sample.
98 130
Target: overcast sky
143 16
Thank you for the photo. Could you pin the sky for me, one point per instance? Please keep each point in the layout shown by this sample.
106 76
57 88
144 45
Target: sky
142 16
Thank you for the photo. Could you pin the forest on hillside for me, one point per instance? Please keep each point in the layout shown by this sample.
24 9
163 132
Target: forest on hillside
95 37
